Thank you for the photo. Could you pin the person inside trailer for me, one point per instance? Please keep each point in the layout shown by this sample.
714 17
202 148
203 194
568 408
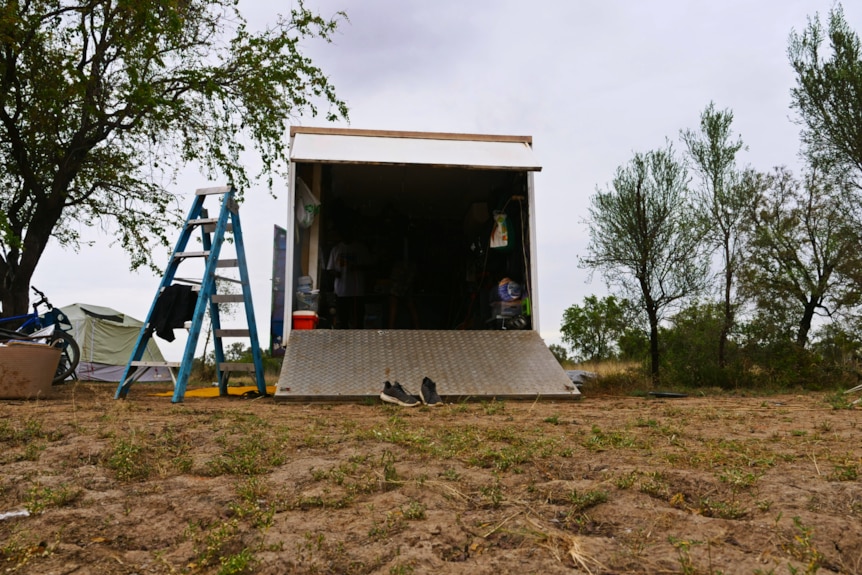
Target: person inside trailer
348 261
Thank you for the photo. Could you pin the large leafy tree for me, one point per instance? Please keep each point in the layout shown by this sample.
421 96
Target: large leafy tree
722 201
593 329
828 92
645 237
688 345
805 249
102 100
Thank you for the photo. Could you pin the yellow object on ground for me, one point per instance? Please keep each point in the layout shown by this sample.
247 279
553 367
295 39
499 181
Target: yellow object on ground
213 391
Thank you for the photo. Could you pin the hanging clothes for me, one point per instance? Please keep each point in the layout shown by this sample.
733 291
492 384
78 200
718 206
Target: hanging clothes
175 306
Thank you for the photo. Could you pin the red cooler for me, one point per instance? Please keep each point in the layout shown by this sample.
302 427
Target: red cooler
304 319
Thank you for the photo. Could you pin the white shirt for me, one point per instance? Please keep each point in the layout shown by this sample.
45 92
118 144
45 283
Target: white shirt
348 260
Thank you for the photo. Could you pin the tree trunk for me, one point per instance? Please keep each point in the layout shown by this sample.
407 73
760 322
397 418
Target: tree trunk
727 324
805 322
653 344
17 270
16 290
14 296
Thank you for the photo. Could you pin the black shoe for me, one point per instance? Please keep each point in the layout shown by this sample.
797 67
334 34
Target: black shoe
394 393
428 393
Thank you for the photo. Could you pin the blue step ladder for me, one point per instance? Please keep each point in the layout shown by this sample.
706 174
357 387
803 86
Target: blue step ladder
212 237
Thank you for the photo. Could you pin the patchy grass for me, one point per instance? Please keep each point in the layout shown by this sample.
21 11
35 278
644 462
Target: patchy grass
600 485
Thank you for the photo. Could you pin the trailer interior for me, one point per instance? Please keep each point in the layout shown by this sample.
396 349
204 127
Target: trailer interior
432 224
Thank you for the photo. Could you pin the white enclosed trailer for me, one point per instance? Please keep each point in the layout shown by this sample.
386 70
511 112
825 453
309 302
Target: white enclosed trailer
440 292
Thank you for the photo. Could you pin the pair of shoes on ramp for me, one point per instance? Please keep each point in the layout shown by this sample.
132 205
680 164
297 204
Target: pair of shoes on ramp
394 393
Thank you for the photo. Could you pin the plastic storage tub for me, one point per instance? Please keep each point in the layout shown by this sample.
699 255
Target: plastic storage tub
307 301
506 308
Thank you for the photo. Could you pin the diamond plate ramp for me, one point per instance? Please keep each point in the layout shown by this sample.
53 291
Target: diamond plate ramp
329 365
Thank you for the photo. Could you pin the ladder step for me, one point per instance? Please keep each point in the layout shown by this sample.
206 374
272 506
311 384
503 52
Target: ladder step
210 228
227 264
183 255
232 333
156 363
228 298
202 221
196 283
209 224
236 366
209 191
226 279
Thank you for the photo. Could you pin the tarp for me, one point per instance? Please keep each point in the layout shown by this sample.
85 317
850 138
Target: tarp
107 339
247 391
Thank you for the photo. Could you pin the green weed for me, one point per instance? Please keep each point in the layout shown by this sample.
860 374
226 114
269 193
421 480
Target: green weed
583 501
353 476
317 555
32 451
390 474
626 481
450 475
802 548
655 485
848 472
250 453
493 493
392 525
40 497
641 422
254 503
737 478
214 543
493 407
31 430
839 400
501 459
721 509
129 460
414 511
238 563
140 456
17 551
601 441
683 548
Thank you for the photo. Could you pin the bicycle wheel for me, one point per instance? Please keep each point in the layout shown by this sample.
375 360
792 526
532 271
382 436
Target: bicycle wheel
68 359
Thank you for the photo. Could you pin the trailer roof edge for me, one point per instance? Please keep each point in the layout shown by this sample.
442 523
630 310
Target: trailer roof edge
410 134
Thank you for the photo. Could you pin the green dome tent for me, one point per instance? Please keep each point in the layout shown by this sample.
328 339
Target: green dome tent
107 338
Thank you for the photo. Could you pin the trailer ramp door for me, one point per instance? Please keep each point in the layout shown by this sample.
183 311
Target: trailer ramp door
336 365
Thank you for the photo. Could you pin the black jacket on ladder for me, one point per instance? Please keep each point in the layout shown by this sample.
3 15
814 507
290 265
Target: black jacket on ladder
175 306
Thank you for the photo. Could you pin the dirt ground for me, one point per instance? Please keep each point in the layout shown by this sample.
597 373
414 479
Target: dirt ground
602 484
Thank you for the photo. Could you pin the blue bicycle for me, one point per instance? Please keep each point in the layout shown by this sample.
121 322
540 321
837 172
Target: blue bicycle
50 326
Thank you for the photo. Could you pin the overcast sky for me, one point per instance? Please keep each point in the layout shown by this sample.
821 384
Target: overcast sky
592 82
